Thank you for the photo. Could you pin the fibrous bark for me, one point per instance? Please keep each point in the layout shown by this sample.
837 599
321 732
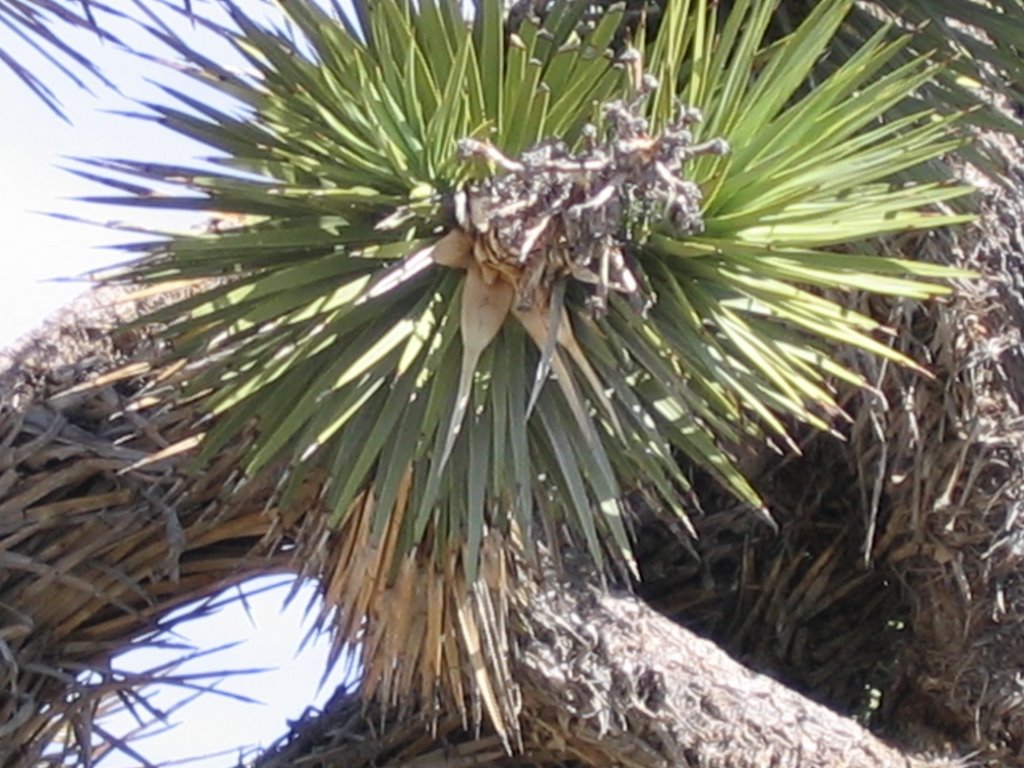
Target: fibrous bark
606 680
633 688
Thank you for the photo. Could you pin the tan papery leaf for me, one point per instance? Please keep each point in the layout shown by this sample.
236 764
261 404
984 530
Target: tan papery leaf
484 309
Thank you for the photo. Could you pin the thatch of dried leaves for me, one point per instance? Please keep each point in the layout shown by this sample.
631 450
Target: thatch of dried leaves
102 530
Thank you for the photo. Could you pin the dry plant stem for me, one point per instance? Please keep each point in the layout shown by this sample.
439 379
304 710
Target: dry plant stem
606 681
620 684
953 482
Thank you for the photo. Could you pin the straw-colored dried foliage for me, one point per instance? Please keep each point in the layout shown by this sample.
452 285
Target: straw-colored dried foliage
891 592
103 529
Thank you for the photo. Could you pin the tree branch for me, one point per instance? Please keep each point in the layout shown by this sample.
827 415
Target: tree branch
614 678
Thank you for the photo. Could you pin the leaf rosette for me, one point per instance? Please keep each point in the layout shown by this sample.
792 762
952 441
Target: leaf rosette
488 280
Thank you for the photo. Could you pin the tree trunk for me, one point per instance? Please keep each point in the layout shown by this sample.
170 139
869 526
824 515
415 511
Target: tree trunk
607 681
631 687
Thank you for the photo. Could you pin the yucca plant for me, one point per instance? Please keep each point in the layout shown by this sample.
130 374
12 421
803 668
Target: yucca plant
485 281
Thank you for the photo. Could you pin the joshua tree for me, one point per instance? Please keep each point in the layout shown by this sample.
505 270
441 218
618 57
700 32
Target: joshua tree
505 317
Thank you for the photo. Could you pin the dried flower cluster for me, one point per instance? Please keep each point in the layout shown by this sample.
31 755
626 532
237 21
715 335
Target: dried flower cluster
553 214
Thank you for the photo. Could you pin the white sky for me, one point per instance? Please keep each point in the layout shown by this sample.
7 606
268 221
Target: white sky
35 142
37 250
